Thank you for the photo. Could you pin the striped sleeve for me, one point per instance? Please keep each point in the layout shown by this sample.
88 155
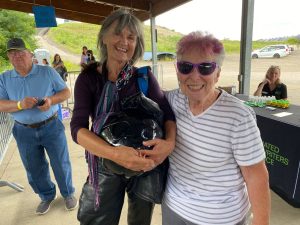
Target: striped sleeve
246 142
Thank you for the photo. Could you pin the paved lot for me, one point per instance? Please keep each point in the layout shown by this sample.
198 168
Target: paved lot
17 208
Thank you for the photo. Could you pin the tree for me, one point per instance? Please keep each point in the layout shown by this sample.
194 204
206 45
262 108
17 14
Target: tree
15 24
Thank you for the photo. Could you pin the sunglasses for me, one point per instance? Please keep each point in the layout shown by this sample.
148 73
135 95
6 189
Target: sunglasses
204 68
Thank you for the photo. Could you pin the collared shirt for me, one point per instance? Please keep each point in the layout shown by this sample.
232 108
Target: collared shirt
40 82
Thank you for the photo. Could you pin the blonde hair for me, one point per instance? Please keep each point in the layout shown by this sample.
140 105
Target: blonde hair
271 69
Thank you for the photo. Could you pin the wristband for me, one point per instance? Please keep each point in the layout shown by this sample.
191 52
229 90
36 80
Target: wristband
19 105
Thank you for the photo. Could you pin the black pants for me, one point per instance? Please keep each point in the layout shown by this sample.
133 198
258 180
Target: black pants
112 190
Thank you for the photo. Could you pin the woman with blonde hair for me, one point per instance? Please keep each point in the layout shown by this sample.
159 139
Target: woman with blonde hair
271 85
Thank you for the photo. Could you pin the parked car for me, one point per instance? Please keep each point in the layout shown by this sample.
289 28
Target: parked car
291 49
284 47
271 51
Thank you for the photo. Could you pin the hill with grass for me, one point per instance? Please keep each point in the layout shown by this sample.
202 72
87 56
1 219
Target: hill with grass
72 36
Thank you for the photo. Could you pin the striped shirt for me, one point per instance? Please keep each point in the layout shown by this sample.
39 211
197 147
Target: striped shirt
205 184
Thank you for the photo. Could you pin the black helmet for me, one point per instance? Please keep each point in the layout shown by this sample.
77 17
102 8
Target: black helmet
123 130
141 107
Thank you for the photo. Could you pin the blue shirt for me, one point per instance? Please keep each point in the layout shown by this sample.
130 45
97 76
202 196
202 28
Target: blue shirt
40 82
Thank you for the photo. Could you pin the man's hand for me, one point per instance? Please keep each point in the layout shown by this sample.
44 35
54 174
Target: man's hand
28 102
46 106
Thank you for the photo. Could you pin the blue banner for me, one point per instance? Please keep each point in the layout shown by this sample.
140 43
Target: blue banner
44 16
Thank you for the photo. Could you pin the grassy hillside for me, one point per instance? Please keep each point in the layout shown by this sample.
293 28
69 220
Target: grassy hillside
72 36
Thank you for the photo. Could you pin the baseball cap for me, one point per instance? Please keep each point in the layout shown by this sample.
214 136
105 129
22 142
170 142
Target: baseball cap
15 44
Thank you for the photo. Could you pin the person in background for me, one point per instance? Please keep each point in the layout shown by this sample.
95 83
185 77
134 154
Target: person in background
91 58
45 62
271 85
59 66
121 44
31 93
217 169
84 57
35 61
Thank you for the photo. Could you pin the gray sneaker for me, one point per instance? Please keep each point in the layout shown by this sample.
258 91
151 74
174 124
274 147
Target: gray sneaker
71 203
44 207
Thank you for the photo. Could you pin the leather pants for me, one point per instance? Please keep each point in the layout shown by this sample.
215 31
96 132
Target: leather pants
112 190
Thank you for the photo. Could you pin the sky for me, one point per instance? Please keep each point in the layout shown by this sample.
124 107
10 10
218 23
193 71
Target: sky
222 18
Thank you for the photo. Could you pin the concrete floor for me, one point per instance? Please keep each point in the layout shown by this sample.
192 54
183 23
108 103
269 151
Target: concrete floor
17 208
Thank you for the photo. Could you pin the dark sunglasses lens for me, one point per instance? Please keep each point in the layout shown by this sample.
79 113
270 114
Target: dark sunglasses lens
206 68
184 67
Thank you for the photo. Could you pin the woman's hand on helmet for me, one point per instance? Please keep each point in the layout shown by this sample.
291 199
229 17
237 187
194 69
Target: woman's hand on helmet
161 150
129 158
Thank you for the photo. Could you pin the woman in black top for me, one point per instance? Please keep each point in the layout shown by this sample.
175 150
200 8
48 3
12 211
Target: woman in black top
271 85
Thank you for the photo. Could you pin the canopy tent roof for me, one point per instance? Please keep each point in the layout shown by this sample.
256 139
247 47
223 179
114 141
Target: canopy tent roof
94 11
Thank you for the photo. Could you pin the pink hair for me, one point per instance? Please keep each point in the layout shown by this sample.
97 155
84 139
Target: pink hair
204 43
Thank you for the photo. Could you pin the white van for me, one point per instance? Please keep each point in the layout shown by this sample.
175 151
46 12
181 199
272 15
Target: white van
41 54
271 51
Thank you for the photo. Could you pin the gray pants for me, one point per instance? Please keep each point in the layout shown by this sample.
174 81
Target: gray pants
169 217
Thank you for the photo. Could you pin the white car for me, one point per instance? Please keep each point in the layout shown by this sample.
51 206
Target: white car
271 51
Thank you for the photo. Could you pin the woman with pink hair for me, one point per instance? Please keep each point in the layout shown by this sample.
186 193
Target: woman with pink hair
217 169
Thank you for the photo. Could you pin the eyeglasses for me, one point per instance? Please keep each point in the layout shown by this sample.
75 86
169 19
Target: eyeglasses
204 68
16 52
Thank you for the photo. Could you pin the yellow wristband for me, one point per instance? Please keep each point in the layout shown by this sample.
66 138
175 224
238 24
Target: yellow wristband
19 105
